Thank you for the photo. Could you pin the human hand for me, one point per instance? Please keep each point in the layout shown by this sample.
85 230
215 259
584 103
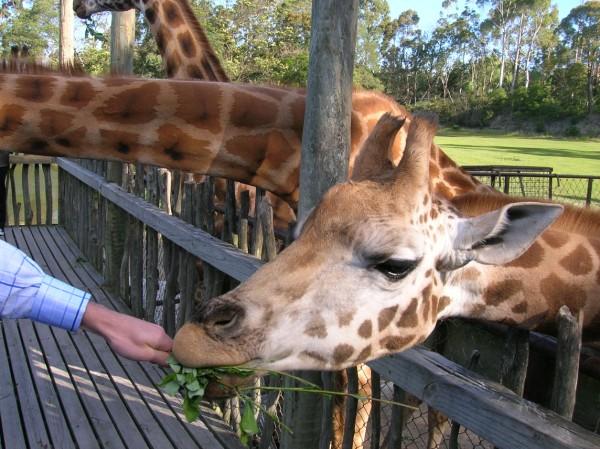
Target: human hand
128 336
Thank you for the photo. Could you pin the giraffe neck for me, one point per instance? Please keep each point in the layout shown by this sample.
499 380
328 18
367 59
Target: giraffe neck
181 40
562 267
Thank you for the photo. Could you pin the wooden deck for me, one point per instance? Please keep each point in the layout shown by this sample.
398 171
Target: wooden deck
62 390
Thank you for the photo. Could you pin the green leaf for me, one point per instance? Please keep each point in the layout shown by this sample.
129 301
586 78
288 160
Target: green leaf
193 386
181 379
191 408
168 379
198 393
171 388
248 425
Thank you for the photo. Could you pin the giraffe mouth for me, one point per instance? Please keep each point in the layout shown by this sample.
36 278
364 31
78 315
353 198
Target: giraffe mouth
80 11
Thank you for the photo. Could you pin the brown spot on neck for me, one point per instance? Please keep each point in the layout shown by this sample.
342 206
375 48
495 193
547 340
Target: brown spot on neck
366 329
77 94
578 262
342 353
35 88
496 293
54 122
530 258
316 328
555 239
557 293
188 48
11 118
133 106
345 317
395 343
408 317
386 316
172 14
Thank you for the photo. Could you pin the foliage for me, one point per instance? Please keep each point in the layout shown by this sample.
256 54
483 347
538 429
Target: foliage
33 24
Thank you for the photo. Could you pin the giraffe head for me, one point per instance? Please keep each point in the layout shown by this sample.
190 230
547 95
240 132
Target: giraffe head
85 8
366 276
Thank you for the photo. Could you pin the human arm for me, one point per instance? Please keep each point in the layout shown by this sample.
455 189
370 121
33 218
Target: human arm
128 336
27 292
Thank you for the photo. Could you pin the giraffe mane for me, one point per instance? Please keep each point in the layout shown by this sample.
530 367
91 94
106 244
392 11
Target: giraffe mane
12 66
197 29
578 220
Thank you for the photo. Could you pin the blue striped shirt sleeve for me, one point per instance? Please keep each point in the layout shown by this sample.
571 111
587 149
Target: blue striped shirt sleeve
27 292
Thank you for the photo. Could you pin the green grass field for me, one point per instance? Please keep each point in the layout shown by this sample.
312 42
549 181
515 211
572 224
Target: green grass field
565 156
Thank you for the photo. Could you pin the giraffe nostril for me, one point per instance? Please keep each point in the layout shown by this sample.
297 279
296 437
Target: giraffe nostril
224 319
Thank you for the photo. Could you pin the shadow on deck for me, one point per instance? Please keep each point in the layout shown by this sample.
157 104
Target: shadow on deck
62 390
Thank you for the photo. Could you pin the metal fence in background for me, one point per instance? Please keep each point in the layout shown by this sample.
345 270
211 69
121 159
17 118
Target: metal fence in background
540 182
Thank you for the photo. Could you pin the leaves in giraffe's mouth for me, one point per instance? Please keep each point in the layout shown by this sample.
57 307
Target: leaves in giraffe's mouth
192 384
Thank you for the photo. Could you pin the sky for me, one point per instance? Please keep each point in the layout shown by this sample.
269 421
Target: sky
429 10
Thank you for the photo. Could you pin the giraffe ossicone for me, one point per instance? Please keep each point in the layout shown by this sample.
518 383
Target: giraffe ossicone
369 272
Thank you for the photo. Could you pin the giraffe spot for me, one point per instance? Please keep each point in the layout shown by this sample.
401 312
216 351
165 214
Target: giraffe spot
434 171
386 316
159 37
172 14
314 355
443 191
459 180
77 94
341 353
443 302
63 142
250 111
444 161
426 305
433 213
520 307
345 318
177 145
555 239
498 292
266 152
596 245
434 308
187 44
133 106
198 105
11 118
428 273
195 72
578 262
150 15
38 146
426 293
530 258
123 142
316 327
297 113
173 63
558 293
363 355
366 329
54 122
291 291
409 318
396 343
34 88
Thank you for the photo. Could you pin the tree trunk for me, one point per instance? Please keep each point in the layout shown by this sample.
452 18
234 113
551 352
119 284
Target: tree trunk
65 49
325 145
517 56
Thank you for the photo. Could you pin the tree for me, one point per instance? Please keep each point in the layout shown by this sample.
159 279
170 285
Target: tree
581 30
34 25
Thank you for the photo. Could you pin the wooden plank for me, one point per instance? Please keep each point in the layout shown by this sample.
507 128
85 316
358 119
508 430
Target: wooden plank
222 256
33 422
104 426
152 397
198 430
38 194
10 417
29 159
48 191
26 197
484 407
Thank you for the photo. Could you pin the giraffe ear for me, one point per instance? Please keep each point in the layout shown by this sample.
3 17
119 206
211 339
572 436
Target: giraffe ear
374 156
501 236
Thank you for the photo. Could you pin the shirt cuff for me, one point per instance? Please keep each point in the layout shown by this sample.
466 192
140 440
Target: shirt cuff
59 304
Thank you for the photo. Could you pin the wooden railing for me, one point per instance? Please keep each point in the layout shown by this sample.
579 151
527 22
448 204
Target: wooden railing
158 280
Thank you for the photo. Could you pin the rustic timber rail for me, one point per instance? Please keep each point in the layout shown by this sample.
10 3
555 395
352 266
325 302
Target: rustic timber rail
491 411
62 390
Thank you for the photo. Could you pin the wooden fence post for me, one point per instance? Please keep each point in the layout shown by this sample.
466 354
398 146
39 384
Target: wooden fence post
122 41
325 149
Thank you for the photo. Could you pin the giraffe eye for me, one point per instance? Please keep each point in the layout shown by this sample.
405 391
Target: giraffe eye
396 269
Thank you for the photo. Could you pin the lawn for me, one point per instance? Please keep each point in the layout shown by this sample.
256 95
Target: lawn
565 156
